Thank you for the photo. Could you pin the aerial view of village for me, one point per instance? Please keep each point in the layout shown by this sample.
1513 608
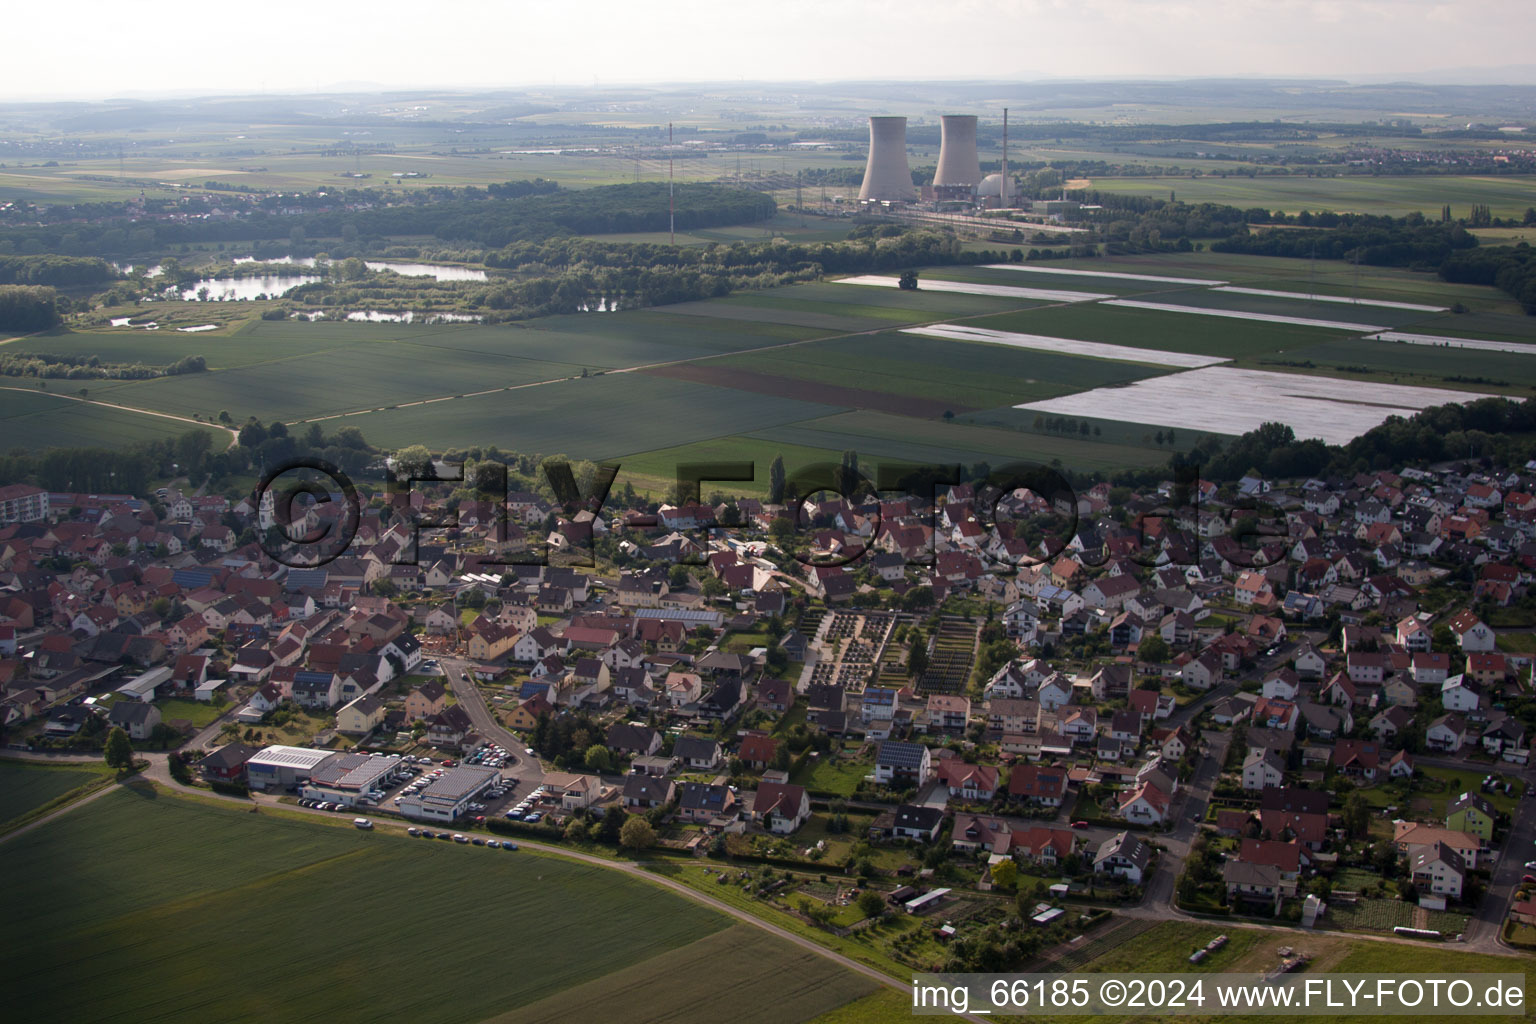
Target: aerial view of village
731 550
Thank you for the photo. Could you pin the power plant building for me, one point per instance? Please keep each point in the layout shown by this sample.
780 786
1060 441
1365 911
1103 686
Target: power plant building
959 172
887 178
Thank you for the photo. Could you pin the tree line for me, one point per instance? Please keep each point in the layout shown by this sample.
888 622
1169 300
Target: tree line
60 271
52 366
28 308
1511 269
1493 428
492 219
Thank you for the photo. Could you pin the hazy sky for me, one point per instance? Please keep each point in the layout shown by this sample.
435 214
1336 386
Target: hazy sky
93 48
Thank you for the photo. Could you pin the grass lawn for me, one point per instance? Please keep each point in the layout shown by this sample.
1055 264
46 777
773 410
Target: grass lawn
831 774
884 1007
198 712
298 730
838 843
1521 934
1166 949
1517 643
214 886
744 642
25 788
1456 781
791 718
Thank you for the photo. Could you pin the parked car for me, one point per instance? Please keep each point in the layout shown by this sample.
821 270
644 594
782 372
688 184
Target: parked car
362 823
1079 824
459 837
492 843
507 845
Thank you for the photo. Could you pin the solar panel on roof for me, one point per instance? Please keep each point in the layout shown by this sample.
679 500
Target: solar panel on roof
304 579
192 579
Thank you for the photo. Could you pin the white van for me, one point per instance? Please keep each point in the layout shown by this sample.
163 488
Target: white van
362 823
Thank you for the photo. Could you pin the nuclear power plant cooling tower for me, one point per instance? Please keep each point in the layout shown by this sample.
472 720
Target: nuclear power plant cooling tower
886 175
958 162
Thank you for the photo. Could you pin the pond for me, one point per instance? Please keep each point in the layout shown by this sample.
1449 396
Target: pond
440 271
434 270
379 317
128 268
244 289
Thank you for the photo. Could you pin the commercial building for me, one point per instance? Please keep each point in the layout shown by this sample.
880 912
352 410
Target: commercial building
279 767
450 795
350 779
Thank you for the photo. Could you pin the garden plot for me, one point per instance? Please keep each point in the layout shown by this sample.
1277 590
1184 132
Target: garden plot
1067 346
1237 314
972 288
1311 297
1116 275
1227 400
1441 341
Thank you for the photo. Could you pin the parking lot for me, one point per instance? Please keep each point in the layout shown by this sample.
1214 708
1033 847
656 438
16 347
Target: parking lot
416 773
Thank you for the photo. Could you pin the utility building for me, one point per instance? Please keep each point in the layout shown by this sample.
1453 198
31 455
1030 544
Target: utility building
887 178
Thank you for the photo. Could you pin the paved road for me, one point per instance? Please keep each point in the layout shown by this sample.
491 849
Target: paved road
521 766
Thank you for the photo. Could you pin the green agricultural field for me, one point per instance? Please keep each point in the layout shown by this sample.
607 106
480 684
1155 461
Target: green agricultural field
796 228
1299 306
1102 431
880 435
1422 365
662 334
735 961
967 374
847 309
919 306
297 370
26 787
159 348
1157 329
1324 277
599 417
33 419
214 887
1057 282
1508 196
655 471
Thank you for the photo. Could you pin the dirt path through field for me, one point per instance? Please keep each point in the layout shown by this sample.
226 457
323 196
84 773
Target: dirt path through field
234 435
